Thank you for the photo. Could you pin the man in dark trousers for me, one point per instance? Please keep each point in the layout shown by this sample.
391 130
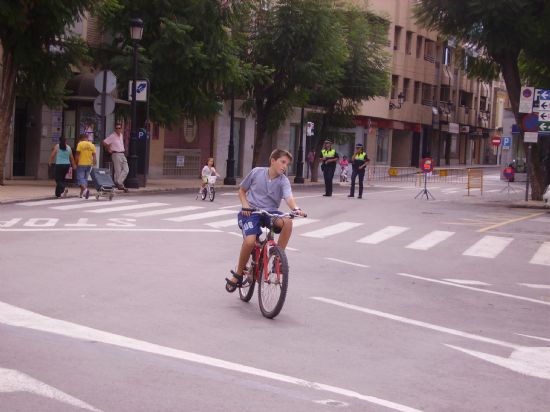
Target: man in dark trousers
359 162
329 158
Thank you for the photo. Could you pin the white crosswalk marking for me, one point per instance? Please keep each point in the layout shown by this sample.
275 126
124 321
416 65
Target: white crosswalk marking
383 234
223 223
488 247
302 222
50 202
542 256
91 203
332 230
430 240
163 211
197 216
122 208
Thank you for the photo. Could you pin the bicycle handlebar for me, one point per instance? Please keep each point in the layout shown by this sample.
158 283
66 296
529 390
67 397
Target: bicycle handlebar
273 215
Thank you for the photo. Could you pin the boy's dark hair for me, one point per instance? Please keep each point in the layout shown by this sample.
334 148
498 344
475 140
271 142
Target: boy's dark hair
277 153
83 136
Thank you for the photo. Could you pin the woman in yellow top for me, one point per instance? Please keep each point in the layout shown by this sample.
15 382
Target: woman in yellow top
85 159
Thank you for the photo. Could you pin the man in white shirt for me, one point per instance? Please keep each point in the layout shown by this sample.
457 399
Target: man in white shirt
114 144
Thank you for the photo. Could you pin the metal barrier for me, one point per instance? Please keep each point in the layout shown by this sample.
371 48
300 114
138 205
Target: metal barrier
392 174
445 175
182 162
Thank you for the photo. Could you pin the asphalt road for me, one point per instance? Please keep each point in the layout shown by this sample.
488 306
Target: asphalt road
394 303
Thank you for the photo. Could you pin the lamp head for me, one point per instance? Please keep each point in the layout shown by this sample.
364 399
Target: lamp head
136 29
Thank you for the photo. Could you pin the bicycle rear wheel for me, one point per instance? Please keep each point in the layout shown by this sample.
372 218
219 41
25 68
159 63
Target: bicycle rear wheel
212 194
273 287
246 291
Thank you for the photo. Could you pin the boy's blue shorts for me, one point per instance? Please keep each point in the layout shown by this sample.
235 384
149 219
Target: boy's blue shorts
82 173
252 225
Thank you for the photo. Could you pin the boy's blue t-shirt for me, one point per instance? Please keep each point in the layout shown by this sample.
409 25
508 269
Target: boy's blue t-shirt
263 192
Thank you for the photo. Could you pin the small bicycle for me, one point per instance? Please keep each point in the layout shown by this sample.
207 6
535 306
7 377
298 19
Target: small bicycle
268 267
209 190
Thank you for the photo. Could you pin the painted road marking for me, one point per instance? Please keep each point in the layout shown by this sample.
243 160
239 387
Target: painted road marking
50 202
534 337
383 234
303 221
534 286
530 361
542 219
491 292
41 222
347 262
332 230
122 208
542 255
15 381
108 229
507 222
468 282
163 211
14 316
223 223
430 240
488 247
91 203
198 216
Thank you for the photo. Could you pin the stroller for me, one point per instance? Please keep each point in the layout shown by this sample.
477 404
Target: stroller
103 182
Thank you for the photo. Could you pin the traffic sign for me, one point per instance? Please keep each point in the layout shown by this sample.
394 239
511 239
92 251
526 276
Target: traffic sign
544 126
506 142
544 105
142 134
141 90
109 105
543 94
495 141
109 85
529 122
526 99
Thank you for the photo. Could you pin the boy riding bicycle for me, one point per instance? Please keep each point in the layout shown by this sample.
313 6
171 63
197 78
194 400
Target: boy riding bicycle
263 188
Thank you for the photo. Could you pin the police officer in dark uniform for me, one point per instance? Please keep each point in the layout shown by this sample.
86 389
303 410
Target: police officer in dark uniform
329 158
359 162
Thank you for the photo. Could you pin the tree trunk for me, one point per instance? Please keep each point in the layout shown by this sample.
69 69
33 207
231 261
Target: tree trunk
262 141
510 72
7 103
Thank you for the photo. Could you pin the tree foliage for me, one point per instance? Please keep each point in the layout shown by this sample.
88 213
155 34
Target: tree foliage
512 34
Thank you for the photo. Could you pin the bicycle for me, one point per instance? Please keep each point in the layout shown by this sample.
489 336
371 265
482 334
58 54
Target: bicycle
209 190
268 266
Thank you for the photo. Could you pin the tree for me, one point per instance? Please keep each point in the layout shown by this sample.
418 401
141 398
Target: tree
365 75
37 51
504 31
186 51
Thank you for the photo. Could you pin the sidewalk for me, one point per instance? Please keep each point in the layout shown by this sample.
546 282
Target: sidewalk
21 190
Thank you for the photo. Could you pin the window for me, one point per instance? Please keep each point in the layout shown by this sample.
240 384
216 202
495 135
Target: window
417 90
447 53
419 41
382 144
406 85
426 94
394 85
396 37
445 94
408 42
429 51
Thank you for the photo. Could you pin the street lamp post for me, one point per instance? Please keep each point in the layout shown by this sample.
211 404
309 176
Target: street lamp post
136 31
299 178
230 170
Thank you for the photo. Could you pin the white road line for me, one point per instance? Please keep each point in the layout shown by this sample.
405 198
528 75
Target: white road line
468 282
490 292
534 286
109 229
122 208
430 240
17 317
348 263
198 216
383 234
223 223
534 337
303 221
14 381
416 322
163 211
332 230
235 234
50 202
91 203
542 256
488 247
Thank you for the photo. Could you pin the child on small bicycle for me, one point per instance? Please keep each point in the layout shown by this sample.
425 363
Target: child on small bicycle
207 171
344 163
263 188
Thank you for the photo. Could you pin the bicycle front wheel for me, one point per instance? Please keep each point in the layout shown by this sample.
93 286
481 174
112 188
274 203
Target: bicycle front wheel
273 282
212 194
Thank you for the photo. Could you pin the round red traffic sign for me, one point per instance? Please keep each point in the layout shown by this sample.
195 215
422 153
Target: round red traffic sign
495 141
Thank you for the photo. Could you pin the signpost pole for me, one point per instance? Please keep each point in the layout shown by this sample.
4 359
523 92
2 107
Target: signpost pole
527 164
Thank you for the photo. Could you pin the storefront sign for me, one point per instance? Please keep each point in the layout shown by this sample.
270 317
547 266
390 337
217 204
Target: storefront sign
454 128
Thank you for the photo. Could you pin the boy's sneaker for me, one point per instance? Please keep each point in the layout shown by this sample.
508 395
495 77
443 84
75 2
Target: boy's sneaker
87 193
65 192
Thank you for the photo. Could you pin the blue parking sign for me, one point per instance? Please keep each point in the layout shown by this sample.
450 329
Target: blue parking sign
507 142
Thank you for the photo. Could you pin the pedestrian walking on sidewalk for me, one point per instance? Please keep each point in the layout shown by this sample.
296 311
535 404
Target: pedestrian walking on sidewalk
329 157
310 160
359 162
114 144
62 159
85 159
